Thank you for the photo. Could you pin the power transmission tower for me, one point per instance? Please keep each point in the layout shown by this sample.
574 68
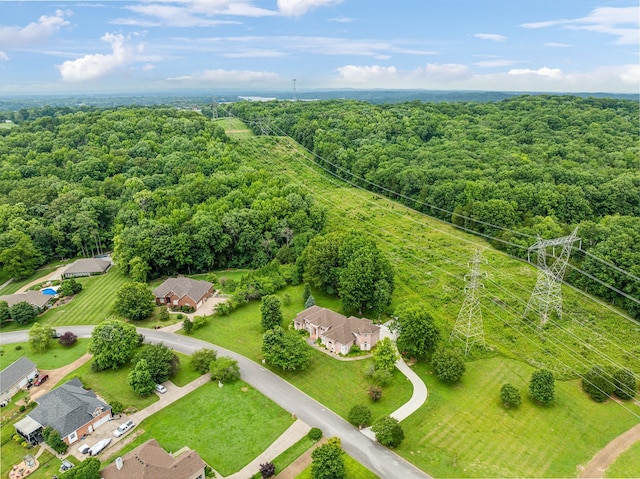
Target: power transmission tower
469 326
214 109
547 293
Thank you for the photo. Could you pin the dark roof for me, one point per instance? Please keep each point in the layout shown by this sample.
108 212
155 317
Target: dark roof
150 461
182 287
87 265
35 298
67 407
15 372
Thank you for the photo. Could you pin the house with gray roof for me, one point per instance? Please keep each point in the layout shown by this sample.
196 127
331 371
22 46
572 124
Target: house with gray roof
151 461
181 291
16 376
86 267
337 332
34 298
70 409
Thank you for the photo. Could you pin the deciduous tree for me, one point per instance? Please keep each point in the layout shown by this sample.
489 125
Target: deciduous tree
113 344
388 431
625 383
40 337
286 350
448 365
224 369
360 415
328 461
418 334
598 384
162 362
134 301
542 386
23 312
271 312
140 379
201 359
510 395
384 355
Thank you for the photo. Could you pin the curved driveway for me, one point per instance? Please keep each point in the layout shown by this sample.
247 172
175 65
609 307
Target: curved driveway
375 457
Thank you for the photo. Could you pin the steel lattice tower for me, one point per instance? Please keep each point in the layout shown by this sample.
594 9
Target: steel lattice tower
547 293
469 328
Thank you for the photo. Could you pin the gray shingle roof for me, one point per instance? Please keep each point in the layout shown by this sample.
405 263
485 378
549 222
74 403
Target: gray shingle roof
87 265
35 298
15 372
67 407
335 325
181 287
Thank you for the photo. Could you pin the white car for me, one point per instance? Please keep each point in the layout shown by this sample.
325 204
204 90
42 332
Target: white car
122 428
84 448
161 389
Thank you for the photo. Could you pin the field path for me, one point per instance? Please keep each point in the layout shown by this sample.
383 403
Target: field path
606 456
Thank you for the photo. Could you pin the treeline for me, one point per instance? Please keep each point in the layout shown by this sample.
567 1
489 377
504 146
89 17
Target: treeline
534 165
165 189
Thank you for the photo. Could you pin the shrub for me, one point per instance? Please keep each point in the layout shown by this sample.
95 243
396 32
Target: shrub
286 299
180 316
199 322
625 383
448 365
67 339
510 396
18 347
360 415
164 314
375 393
116 407
381 377
315 433
310 302
224 368
23 408
388 431
201 359
267 470
542 386
598 384
187 326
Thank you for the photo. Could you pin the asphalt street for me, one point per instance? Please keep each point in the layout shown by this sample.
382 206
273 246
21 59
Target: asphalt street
375 457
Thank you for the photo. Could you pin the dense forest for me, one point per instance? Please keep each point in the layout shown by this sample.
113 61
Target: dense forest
509 170
158 186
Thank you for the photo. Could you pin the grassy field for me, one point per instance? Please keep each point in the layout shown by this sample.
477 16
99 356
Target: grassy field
431 258
186 374
463 431
294 452
111 386
55 357
627 464
241 331
228 426
353 470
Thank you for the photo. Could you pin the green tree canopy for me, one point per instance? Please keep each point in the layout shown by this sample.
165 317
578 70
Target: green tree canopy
510 396
134 301
271 312
40 337
388 431
327 461
89 468
384 355
598 383
625 383
162 362
5 314
360 415
418 334
287 350
448 365
113 344
201 359
140 378
224 369
542 386
23 312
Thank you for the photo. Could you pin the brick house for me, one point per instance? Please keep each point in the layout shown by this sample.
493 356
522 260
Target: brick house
181 291
150 461
337 332
16 376
69 409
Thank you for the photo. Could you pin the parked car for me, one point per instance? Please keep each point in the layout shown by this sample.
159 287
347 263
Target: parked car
122 428
66 465
39 380
4 403
161 389
84 448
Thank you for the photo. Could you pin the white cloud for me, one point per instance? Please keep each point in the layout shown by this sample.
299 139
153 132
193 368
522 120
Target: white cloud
255 53
341 20
490 36
295 8
543 72
623 22
447 71
228 77
556 45
96 66
495 63
34 33
367 75
3 56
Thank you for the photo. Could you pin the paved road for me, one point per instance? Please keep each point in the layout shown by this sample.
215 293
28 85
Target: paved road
375 457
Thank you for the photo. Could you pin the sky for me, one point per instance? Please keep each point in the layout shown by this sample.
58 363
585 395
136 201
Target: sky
260 45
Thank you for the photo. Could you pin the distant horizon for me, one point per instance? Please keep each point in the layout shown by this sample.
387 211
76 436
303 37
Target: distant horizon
86 47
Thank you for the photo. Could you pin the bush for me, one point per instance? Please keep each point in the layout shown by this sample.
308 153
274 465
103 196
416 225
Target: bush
286 299
510 396
164 314
202 358
180 316
315 434
598 384
360 415
52 438
625 384
381 377
199 322
223 369
23 408
542 386
67 339
116 407
448 365
18 347
375 393
187 326
267 470
388 431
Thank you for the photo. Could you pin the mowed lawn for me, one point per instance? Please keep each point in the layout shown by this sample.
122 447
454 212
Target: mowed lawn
92 305
228 426
627 464
463 431
53 358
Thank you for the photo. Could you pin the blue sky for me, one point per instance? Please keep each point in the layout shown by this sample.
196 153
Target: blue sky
513 45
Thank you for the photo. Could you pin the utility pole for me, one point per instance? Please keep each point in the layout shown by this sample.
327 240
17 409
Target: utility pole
547 293
469 328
